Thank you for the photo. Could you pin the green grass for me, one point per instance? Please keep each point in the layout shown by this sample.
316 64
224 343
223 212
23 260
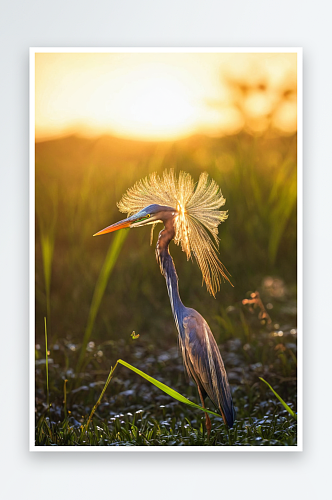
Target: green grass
285 405
47 219
144 429
110 260
163 387
46 366
131 412
168 390
95 291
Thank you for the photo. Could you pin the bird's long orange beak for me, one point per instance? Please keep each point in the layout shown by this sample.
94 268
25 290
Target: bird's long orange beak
114 227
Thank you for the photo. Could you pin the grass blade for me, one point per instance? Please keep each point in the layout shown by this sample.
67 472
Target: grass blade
46 364
47 246
285 405
110 375
47 218
109 263
165 388
281 205
65 397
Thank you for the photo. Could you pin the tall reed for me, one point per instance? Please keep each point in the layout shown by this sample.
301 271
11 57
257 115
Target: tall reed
109 263
47 217
285 405
46 365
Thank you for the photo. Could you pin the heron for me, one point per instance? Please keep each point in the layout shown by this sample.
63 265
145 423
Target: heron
190 214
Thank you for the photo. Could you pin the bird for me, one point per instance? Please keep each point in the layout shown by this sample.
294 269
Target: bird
190 213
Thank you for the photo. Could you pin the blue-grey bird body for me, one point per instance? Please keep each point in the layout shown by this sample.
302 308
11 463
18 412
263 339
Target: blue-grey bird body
188 212
200 353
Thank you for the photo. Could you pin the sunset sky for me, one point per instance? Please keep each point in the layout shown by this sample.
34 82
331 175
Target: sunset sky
163 96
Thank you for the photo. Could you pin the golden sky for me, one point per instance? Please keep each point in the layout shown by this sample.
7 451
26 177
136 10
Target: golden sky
163 96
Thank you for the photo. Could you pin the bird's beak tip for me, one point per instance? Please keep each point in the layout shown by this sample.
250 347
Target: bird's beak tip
114 227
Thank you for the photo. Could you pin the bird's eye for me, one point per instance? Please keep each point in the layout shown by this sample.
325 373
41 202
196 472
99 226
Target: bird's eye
143 218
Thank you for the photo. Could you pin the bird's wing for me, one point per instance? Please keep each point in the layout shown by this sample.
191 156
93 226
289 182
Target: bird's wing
205 364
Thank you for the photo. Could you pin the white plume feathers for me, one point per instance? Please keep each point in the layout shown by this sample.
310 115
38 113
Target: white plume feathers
199 214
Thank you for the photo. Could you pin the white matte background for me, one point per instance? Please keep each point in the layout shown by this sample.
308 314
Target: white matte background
256 23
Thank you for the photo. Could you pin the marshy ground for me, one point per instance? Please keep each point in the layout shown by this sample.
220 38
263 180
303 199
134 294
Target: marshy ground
95 296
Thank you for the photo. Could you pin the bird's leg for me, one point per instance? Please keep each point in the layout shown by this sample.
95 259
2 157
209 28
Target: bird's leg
207 418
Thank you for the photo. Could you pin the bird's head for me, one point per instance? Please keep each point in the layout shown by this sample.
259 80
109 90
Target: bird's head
152 214
191 210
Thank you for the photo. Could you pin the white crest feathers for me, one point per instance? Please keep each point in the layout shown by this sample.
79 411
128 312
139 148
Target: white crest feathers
199 215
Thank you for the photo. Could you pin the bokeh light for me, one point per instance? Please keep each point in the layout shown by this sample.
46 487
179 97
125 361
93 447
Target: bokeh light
164 96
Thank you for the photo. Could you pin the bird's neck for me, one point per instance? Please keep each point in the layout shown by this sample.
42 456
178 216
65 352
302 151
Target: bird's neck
168 270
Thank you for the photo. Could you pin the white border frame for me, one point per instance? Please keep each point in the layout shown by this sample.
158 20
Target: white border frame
163 50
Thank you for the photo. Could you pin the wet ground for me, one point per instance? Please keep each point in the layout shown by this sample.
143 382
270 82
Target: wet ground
134 412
